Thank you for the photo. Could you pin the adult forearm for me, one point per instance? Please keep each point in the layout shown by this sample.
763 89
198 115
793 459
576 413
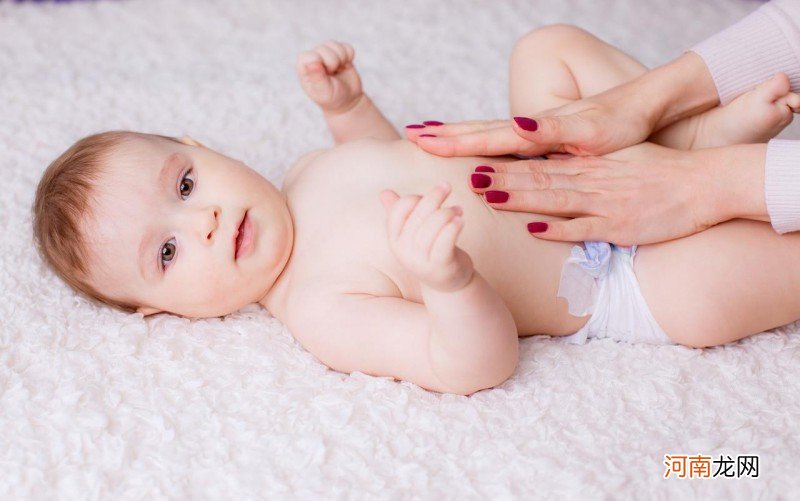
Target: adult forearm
751 51
474 341
678 89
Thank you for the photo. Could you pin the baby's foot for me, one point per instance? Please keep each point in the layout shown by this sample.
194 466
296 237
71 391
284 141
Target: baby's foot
328 76
754 117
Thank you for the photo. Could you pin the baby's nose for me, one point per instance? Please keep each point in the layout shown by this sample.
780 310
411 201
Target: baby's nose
209 223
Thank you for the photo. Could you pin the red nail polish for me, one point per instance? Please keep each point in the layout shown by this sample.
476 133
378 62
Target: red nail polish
537 227
415 126
427 135
526 123
432 122
484 168
480 181
496 197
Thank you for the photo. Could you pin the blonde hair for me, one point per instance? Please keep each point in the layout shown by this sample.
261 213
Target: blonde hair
62 203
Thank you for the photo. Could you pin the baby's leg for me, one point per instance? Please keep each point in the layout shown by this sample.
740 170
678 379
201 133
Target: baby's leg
558 64
754 117
733 280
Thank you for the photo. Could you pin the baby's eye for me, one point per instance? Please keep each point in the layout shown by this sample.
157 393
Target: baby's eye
167 253
187 185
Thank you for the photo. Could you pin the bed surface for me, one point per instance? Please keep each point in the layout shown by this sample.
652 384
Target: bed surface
95 403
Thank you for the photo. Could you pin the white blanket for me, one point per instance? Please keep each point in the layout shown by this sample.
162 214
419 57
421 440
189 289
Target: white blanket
95 403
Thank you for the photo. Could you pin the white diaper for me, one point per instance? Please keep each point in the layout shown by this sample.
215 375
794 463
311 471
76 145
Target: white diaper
599 280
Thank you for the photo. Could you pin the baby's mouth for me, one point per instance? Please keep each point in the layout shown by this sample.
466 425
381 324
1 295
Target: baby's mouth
243 236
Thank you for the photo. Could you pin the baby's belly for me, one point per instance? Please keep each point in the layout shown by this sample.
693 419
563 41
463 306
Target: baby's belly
525 271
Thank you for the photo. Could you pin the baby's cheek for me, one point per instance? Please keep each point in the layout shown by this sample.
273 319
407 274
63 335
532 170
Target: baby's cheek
202 290
214 287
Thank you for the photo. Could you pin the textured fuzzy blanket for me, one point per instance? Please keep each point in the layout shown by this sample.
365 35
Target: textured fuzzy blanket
95 403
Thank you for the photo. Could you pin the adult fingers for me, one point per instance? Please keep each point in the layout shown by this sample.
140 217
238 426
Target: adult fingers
557 202
482 182
488 142
413 131
570 166
565 133
571 230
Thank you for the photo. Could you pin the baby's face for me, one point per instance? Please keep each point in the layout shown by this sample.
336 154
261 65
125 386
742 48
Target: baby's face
164 231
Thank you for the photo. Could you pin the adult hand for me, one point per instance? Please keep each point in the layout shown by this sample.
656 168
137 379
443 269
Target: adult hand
619 117
642 194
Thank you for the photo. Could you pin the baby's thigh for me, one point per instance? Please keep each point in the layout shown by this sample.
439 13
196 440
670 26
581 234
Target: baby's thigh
733 280
557 64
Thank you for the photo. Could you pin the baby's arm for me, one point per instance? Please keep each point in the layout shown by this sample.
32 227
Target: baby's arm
461 340
329 78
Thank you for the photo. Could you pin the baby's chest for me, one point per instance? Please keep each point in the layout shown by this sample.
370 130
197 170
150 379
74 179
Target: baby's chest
354 258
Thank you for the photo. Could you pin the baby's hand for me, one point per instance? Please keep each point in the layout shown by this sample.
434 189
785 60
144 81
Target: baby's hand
423 234
328 76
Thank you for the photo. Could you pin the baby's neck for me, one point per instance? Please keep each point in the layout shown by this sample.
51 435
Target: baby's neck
275 298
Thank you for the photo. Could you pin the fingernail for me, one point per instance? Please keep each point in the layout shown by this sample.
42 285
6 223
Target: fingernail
484 168
496 197
415 126
432 122
537 227
526 123
427 135
480 181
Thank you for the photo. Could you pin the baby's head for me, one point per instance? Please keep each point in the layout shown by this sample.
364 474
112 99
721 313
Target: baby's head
149 223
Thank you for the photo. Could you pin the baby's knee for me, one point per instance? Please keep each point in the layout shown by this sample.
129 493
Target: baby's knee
550 37
700 329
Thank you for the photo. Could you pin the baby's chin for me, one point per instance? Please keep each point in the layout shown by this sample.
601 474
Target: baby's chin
197 311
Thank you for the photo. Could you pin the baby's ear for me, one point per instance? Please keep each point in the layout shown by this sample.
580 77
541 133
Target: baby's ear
147 310
191 142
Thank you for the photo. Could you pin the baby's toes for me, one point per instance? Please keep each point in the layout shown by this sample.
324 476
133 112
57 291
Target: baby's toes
792 101
774 88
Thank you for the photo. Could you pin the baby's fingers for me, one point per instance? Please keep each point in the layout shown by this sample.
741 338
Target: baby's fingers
329 57
445 244
429 230
429 203
350 51
306 60
388 197
399 209
344 52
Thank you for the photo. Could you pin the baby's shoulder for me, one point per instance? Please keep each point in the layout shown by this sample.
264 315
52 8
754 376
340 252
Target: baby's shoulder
351 167
303 162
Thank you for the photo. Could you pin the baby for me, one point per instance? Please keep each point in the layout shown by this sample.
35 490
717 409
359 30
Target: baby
380 258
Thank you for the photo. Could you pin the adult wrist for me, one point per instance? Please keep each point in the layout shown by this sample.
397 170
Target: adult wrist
734 176
681 88
782 184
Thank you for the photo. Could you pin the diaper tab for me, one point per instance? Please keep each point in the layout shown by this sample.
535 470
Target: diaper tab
578 284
